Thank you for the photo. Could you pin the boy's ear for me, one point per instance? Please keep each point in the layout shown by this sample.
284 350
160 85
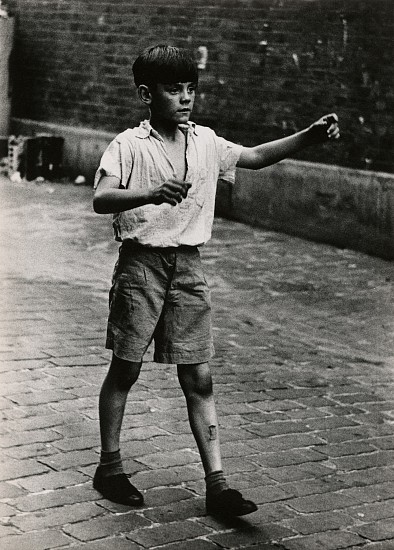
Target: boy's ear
144 94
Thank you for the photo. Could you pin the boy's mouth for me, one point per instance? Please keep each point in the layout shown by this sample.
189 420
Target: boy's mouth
184 110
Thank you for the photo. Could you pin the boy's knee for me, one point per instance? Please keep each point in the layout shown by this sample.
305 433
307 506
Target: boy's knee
197 383
124 373
204 385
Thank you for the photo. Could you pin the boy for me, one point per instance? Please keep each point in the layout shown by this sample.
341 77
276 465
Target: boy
159 181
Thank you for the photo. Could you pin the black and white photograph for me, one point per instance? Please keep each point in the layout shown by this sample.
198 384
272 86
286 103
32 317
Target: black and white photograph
197 275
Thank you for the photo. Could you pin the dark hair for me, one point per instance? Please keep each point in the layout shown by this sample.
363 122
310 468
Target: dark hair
163 64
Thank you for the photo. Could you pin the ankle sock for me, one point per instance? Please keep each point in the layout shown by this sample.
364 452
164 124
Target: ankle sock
110 463
215 482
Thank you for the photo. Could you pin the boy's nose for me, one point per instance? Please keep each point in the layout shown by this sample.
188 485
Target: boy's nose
186 97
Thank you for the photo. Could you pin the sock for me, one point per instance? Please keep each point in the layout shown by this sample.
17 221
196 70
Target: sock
110 463
215 482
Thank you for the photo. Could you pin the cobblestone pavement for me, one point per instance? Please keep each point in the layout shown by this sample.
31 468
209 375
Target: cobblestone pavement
304 377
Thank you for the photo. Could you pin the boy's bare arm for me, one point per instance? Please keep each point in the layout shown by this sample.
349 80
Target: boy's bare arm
110 198
269 153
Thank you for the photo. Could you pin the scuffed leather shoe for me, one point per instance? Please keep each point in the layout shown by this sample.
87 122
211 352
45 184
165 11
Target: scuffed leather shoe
117 488
229 503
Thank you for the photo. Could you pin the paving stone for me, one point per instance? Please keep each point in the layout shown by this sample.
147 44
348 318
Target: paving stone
162 477
166 533
55 517
51 480
242 537
64 461
14 469
378 530
196 544
176 511
107 526
42 540
331 540
319 503
112 543
166 459
302 378
315 523
54 497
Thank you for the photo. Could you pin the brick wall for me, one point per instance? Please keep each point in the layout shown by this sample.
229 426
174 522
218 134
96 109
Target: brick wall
273 66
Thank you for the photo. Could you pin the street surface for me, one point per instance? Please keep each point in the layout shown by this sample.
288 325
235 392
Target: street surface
304 380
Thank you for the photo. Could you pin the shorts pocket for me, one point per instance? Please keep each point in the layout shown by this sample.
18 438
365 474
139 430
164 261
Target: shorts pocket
121 303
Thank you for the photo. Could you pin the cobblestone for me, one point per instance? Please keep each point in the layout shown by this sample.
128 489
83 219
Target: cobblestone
304 376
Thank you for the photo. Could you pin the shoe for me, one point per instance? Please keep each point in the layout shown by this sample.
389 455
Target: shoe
229 503
117 488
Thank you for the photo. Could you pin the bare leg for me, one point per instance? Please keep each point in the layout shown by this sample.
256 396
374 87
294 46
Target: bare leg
116 386
196 383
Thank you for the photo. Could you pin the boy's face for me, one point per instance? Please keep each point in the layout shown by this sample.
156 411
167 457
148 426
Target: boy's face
173 102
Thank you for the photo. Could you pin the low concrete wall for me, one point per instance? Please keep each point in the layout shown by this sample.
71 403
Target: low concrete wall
340 206
344 207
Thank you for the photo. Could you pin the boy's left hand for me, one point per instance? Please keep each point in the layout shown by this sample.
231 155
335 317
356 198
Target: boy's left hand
325 128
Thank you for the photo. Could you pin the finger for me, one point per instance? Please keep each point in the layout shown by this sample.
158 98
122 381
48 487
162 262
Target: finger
335 134
330 119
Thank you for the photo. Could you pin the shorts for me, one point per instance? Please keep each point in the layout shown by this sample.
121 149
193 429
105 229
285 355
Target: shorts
160 294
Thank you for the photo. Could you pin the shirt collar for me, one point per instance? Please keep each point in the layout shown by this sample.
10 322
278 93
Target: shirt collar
145 130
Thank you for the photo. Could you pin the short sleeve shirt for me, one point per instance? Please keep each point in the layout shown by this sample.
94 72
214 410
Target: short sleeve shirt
138 158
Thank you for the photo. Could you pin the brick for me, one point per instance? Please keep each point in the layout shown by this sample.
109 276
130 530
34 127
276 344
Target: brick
360 462
374 511
162 477
278 428
312 486
37 398
7 490
378 530
196 544
347 448
332 540
318 523
319 503
177 511
114 543
58 516
242 537
14 469
285 442
298 472
33 436
167 459
41 540
287 458
64 461
107 526
164 534
51 480
329 423
162 496
53 498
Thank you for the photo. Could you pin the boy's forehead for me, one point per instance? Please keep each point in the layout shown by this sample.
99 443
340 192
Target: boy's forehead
178 83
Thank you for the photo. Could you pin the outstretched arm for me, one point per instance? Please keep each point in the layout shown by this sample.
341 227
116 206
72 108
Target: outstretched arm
269 153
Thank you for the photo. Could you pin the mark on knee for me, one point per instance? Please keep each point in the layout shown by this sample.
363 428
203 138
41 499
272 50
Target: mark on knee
213 433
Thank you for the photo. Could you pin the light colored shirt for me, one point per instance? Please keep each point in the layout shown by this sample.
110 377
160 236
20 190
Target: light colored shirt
139 159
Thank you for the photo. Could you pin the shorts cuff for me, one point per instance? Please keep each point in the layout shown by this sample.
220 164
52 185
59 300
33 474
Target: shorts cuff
125 353
184 357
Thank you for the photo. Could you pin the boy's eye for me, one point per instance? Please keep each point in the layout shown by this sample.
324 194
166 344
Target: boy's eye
173 89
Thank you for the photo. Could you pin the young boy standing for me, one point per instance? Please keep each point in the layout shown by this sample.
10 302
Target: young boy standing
159 181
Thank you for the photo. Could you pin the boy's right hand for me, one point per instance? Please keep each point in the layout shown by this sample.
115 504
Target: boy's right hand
172 192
